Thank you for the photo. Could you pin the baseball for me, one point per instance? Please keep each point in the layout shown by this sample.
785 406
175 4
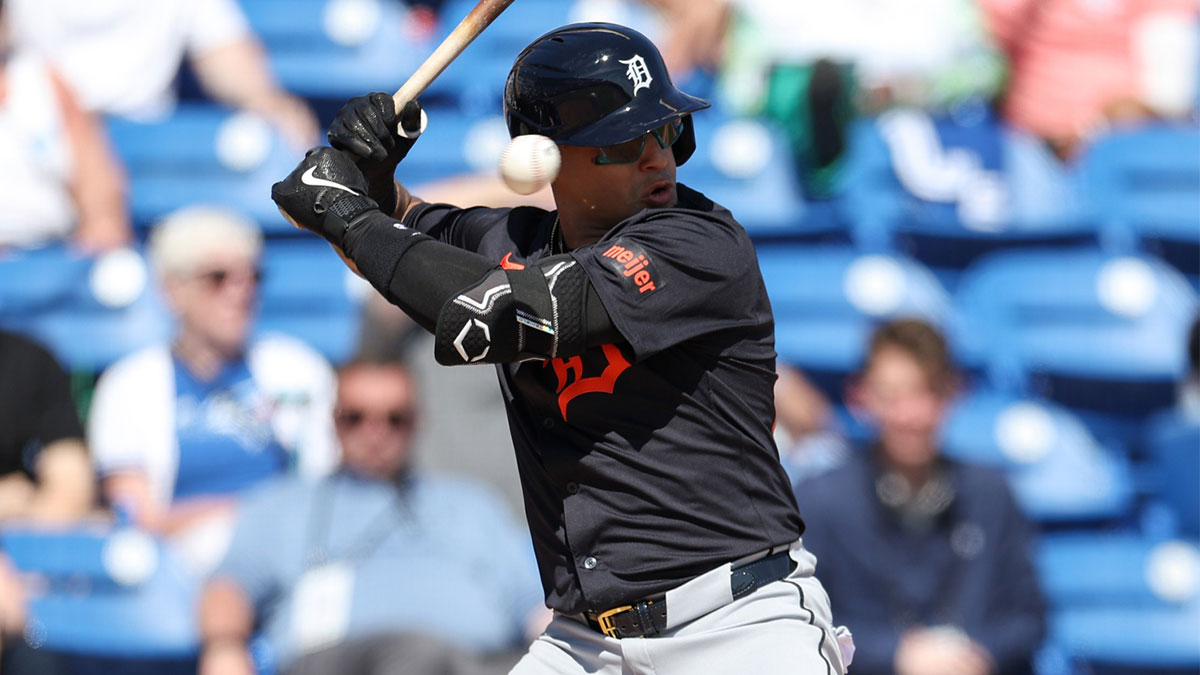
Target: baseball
529 163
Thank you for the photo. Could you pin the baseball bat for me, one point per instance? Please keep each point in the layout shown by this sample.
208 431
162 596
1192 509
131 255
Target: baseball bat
467 30
479 18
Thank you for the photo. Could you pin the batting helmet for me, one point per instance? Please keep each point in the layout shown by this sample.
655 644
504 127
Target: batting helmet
596 84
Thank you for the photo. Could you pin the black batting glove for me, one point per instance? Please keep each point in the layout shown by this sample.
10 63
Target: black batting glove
325 194
368 128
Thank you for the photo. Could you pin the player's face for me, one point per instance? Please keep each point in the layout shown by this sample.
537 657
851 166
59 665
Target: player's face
375 417
592 198
215 301
898 395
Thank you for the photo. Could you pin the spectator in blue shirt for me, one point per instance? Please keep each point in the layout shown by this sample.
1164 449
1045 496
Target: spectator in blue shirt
926 559
376 569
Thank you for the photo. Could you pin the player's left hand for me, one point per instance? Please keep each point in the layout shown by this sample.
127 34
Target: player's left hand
324 194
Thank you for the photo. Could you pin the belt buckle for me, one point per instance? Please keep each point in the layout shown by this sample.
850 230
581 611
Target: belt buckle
606 623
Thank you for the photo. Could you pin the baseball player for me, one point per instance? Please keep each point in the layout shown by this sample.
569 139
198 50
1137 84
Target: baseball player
635 347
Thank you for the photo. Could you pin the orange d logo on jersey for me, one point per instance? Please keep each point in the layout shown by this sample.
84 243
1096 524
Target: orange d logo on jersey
572 383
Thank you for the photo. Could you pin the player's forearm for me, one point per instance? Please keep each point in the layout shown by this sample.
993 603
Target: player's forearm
519 313
400 199
413 271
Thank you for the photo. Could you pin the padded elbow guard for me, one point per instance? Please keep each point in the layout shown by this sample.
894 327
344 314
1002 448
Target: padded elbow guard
515 315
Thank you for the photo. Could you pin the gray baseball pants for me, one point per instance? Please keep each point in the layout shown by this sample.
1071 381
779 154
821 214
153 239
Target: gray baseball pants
783 627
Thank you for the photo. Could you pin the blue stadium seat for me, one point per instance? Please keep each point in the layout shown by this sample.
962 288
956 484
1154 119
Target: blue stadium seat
335 49
102 592
308 293
454 143
1117 569
826 300
1101 334
1130 641
88 311
1147 181
203 153
1058 472
1122 602
740 164
1173 450
947 190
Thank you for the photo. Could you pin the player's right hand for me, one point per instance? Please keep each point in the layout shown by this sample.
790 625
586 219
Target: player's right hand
368 128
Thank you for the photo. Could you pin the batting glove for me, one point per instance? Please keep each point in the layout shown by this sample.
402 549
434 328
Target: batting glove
324 194
367 127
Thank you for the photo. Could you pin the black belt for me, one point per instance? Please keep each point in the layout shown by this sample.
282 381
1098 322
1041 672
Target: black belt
648 617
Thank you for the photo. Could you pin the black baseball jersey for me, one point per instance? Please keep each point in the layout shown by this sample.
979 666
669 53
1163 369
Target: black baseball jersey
645 463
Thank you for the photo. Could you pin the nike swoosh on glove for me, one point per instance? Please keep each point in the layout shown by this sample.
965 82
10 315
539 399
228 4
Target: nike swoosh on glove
324 194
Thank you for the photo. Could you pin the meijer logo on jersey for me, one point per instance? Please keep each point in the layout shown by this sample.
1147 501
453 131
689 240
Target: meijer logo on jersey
633 266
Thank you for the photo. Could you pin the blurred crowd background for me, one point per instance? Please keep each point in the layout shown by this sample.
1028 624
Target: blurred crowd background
220 452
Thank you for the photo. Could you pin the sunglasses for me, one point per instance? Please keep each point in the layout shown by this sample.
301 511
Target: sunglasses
396 420
217 279
630 151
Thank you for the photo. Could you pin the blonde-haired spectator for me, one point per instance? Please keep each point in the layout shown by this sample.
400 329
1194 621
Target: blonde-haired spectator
178 430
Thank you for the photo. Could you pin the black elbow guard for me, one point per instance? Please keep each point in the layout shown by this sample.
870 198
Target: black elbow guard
515 315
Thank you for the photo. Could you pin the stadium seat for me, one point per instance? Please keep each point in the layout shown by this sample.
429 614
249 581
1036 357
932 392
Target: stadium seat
1122 602
1130 641
947 190
1173 451
308 293
740 164
88 311
454 143
335 49
1146 181
1058 472
1120 568
203 154
826 300
100 592
1098 333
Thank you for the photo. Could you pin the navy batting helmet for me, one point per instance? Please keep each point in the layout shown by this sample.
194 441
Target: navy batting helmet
596 84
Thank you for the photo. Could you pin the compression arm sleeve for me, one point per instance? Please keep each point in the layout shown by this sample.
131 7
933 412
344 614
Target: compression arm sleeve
479 312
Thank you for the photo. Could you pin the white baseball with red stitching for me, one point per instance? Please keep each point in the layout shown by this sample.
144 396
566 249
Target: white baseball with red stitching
529 163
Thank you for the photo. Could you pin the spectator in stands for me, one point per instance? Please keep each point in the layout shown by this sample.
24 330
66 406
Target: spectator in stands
808 443
377 569
45 474
1079 66
179 430
122 56
60 178
927 558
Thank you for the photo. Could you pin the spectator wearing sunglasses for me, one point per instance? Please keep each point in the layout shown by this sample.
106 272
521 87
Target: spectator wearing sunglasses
179 430
377 568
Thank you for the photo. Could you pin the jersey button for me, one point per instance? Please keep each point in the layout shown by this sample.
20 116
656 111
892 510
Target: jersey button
572 487
589 563
548 423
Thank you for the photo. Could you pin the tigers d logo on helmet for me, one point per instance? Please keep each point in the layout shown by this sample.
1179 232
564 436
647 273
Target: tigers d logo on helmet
596 84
